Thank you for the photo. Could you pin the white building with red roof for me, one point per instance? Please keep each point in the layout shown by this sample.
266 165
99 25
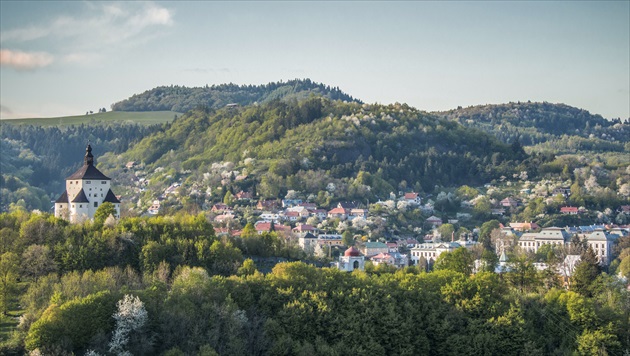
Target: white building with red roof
351 260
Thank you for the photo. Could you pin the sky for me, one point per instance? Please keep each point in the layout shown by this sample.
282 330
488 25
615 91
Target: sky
65 58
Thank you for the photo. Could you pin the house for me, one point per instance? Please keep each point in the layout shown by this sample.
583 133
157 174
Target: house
510 202
303 228
565 191
321 214
625 209
264 226
430 251
524 226
307 242
531 241
219 208
358 213
86 190
601 242
348 205
267 205
287 203
229 215
154 209
292 216
412 198
243 195
339 213
329 240
497 211
434 221
267 216
392 247
374 248
130 164
570 210
395 259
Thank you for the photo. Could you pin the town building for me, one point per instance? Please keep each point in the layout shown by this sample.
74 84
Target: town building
351 260
86 190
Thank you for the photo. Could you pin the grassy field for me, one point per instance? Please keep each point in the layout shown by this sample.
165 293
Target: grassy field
144 118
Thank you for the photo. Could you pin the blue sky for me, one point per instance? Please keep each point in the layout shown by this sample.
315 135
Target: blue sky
65 58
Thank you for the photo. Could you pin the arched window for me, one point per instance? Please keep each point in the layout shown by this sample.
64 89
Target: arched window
355 265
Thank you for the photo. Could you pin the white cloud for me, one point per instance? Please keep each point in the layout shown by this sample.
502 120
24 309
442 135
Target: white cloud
24 60
101 25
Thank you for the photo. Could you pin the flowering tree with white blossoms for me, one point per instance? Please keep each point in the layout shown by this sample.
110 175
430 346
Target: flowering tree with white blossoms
131 316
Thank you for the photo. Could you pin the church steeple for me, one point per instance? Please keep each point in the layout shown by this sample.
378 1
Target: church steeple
89 159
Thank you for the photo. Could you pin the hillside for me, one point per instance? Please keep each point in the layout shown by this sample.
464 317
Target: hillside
550 127
121 117
182 99
366 151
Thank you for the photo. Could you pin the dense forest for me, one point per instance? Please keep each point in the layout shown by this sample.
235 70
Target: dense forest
36 160
169 285
557 128
181 99
289 144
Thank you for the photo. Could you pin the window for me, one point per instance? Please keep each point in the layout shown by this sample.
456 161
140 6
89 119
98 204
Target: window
77 182
103 182
70 182
88 182
101 195
80 205
95 204
73 205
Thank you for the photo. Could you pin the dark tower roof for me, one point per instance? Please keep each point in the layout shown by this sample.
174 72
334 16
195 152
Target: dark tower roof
111 198
80 198
89 158
88 171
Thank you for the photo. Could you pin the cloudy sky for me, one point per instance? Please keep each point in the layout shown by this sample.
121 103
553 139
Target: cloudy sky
65 58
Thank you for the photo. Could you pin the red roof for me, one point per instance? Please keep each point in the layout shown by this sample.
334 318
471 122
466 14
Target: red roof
568 209
338 211
411 195
352 251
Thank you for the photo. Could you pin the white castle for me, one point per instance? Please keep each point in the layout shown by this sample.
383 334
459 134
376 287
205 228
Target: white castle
86 190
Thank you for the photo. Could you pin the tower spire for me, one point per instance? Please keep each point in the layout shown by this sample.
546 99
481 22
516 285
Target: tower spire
89 158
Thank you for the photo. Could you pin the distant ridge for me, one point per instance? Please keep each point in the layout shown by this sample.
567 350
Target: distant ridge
182 99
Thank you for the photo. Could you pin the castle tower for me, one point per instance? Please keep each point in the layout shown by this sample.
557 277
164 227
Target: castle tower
86 190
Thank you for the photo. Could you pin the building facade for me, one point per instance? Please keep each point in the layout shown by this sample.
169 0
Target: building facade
86 190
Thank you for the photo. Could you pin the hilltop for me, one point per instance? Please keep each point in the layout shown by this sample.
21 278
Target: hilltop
181 98
551 127
367 151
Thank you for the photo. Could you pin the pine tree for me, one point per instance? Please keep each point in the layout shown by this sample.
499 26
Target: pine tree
586 272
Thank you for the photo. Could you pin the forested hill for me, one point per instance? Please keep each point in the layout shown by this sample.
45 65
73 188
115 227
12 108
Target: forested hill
536 123
304 145
182 99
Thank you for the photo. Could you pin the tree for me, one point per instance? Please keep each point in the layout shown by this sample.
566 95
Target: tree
248 268
585 273
347 238
9 267
446 231
103 212
37 261
459 260
130 317
486 229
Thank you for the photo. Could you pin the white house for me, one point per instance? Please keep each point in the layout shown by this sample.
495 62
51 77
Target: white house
86 190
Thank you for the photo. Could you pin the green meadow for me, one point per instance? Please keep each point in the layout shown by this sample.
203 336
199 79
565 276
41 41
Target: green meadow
135 117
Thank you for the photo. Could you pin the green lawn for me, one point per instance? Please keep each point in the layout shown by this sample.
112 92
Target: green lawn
144 118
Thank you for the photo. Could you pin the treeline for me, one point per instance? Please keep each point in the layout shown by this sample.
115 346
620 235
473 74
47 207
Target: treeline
194 294
181 99
36 160
293 144
565 127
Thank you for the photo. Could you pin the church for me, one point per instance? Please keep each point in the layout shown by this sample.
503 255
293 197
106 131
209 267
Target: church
86 190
